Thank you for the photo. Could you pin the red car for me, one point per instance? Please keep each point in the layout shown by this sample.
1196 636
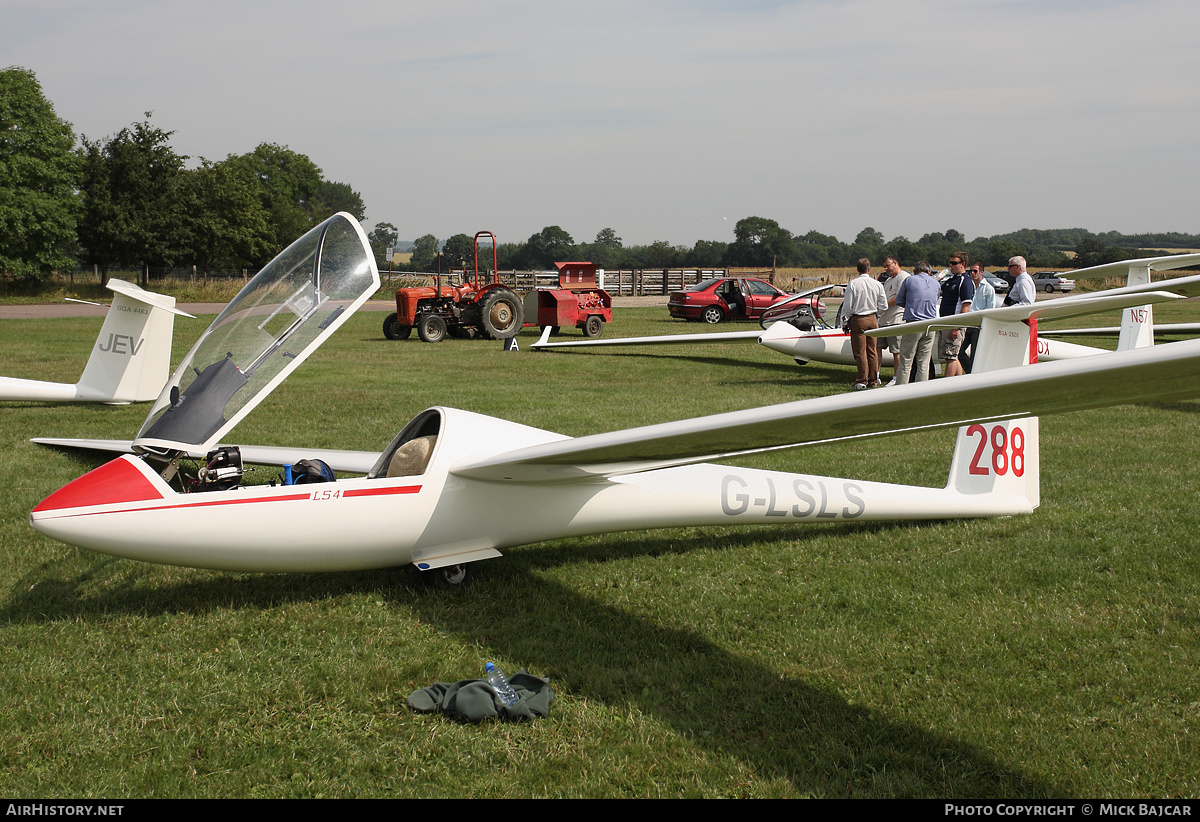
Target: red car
724 298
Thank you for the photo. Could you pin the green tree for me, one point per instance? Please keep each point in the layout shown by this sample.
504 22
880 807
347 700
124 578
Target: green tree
661 254
903 250
999 252
135 199
382 237
707 253
761 242
334 197
544 248
425 251
459 252
39 174
229 225
606 250
1093 251
288 184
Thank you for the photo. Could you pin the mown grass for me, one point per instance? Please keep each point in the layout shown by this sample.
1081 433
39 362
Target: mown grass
1043 656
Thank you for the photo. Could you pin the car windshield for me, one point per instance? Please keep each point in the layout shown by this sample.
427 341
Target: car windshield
272 325
704 285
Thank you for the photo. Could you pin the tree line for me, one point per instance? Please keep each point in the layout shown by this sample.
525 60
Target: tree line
131 201
761 242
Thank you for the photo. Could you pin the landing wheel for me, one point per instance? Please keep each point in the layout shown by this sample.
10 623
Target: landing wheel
712 315
451 576
431 328
593 328
800 361
393 330
501 314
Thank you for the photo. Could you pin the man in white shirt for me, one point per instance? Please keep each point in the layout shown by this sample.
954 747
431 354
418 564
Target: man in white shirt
1022 291
863 303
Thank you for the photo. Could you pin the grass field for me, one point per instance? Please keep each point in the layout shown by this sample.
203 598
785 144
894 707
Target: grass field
1053 655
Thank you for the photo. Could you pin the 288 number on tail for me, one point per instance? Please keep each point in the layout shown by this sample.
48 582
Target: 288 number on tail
1007 451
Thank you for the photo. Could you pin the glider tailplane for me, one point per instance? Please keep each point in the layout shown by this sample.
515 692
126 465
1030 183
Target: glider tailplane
998 458
131 359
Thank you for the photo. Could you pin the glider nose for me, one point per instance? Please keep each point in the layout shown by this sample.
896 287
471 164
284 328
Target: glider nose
119 481
786 339
75 513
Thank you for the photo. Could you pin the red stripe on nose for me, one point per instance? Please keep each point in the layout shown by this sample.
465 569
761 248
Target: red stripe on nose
116 481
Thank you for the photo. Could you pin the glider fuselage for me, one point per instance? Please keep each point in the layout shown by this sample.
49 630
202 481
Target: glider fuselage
438 518
833 346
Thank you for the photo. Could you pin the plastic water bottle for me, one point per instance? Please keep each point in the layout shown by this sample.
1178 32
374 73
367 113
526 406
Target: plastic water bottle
499 683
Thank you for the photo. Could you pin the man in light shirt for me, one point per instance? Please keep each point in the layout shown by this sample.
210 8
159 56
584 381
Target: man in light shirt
862 305
985 298
1022 291
919 299
895 313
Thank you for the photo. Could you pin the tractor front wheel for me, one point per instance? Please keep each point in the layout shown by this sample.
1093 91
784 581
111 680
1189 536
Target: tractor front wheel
393 330
431 328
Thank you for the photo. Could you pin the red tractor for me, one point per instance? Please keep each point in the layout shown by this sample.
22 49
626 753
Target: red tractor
473 309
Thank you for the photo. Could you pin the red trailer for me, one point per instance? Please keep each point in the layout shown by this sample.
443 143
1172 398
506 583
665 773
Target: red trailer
578 301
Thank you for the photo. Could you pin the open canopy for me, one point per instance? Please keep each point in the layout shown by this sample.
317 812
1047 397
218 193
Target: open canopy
266 331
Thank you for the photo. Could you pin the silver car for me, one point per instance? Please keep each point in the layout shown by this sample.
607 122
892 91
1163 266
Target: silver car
1050 282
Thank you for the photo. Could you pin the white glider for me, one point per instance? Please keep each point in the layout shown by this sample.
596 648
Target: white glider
797 330
130 361
454 487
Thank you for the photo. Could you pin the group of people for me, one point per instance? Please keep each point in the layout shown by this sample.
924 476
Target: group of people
900 297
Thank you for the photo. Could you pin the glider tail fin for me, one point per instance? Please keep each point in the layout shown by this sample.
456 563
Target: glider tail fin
1137 323
998 458
1137 327
131 358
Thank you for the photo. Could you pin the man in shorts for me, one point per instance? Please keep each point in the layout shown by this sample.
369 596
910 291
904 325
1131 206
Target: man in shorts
957 293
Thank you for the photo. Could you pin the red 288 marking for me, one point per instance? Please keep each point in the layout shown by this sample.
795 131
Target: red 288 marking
1008 451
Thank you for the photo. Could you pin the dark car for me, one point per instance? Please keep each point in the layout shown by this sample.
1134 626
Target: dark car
1050 282
999 284
724 298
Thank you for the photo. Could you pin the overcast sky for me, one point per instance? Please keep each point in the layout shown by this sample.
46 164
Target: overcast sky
665 120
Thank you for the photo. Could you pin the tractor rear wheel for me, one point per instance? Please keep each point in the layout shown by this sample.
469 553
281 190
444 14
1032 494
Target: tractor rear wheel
393 330
431 328
501 314
593 327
